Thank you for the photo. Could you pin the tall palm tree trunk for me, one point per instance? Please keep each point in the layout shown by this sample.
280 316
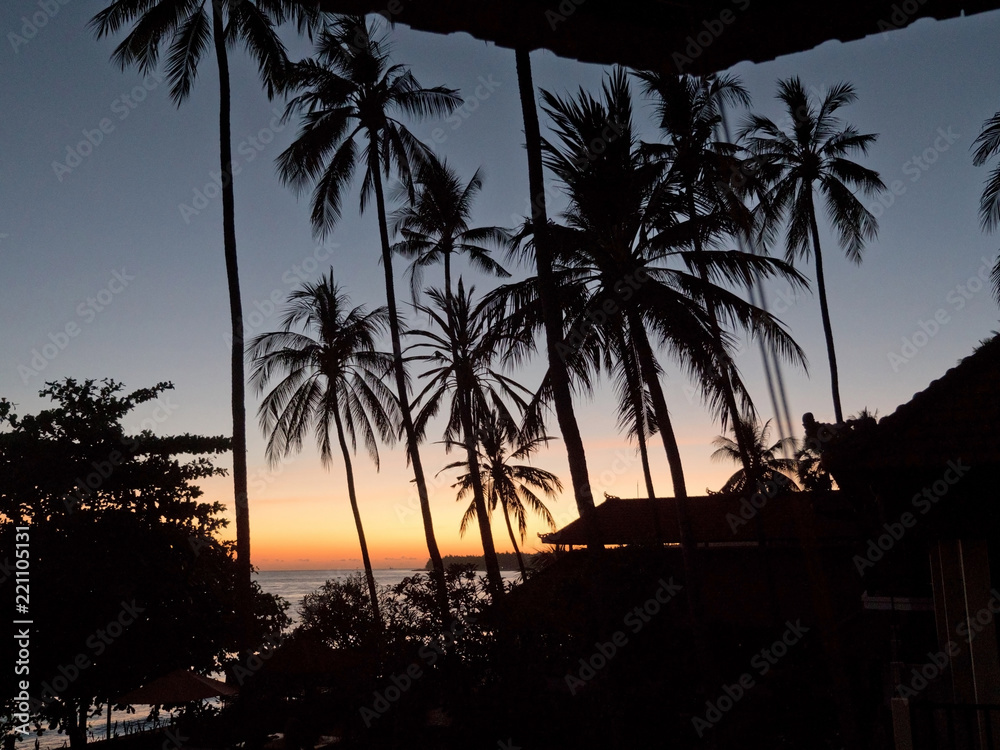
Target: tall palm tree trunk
722 358
447 275
644 460
412 448
242 504
513 541
493 577
647 367
689 562
575 453
634 384
365 559
825 311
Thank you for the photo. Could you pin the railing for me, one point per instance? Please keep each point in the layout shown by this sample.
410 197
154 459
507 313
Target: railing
955 726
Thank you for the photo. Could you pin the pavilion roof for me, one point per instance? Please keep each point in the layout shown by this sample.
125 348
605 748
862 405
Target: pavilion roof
718 519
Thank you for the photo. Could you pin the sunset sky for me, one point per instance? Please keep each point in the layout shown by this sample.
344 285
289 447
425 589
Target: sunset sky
121 244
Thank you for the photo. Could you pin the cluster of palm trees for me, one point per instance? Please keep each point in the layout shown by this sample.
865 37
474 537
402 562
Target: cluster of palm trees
651 257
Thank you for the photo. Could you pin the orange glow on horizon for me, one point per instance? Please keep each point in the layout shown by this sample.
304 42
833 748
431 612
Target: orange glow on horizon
301 519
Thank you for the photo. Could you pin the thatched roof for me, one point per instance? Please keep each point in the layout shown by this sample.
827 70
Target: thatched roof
686 37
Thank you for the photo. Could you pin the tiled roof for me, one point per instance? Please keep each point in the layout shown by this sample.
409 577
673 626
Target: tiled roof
716 519
956 417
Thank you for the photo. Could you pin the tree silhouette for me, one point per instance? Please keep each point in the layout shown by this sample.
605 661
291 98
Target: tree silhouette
351 92
514 487
460 356
436 225
617 287
185 28
697 186
331 375
811 157
133 543
558 373
767 466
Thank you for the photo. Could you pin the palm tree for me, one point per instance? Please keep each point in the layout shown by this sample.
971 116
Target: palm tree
460 356
809 471
618 290
767 467
699 169
332 374
189 27
506 484
988 146
607 242
608 193
636 413
351 92
435 226
813 156
558 373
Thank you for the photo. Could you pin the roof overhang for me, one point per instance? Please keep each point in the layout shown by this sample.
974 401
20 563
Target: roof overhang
667 36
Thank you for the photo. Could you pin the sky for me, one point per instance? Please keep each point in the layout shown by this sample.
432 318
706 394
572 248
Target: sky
111 260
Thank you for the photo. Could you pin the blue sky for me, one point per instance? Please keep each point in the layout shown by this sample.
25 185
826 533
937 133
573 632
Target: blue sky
112 263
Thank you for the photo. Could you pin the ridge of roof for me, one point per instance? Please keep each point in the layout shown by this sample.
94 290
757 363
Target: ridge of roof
967 367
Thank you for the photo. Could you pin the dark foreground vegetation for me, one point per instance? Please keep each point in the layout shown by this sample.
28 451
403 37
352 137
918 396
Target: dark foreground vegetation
506 560
593 652
131 583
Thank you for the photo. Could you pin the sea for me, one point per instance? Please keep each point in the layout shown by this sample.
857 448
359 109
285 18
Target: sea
291 585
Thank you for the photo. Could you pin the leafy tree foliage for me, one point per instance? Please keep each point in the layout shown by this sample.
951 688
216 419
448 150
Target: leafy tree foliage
127 578
338 614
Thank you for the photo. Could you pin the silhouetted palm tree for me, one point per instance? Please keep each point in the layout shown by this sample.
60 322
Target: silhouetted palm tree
619 291
698 185
185 28
558 372
608 193
436 225
614 280
812 157
332 374
460 356
349 92
809 471
987 146
511 486
767 466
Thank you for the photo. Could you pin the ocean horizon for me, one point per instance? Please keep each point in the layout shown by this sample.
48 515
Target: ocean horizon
293 585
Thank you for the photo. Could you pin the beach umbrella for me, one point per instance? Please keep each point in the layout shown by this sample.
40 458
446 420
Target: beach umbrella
307 655
180 686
